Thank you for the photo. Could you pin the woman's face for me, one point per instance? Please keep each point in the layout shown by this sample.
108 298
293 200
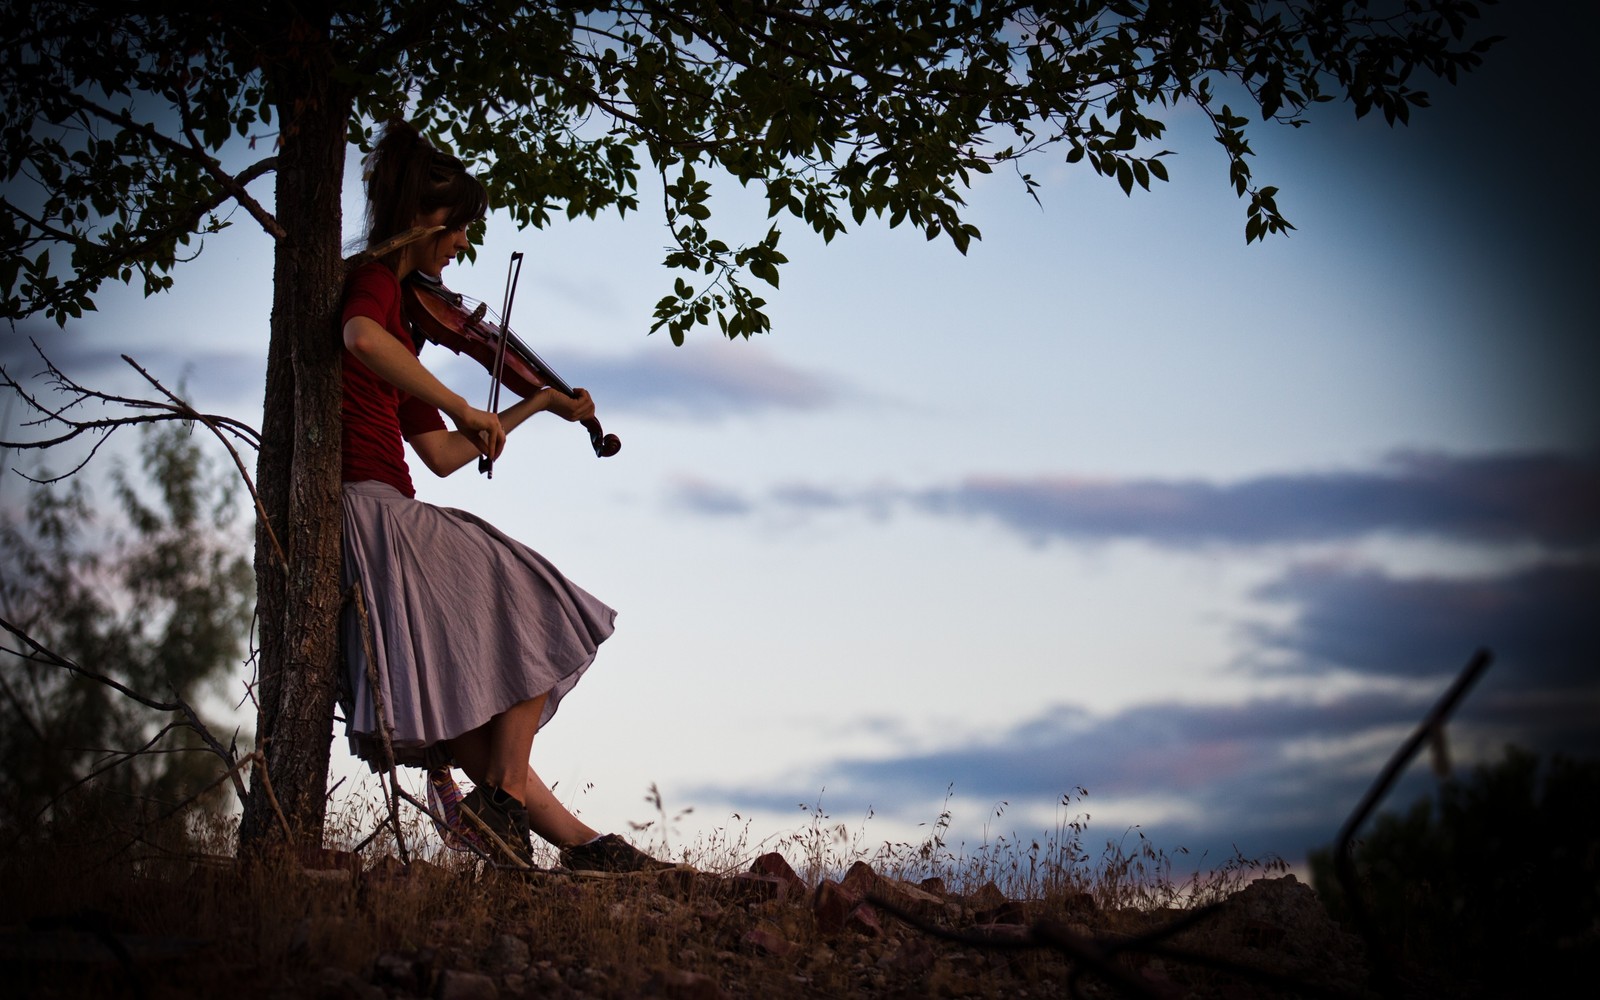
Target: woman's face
433 253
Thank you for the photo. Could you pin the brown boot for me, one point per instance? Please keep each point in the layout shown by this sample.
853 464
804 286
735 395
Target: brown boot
610 855
503 823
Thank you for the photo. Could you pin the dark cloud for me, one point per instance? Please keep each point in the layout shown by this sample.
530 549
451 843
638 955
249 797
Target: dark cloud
1234 770
1269 776
1542 623
1548 498
1280 775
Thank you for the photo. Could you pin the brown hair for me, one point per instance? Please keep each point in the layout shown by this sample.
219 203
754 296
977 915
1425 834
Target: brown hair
408 177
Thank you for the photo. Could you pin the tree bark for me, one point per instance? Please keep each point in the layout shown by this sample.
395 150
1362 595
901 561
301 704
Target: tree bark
298 469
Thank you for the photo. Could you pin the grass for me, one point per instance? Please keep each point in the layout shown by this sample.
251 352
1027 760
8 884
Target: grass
193 922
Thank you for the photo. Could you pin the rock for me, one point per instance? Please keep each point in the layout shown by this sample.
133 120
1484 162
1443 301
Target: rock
774 864
508 954
902 896
988 897
1002 933
402 971
457 985
1012 911
768 940
864 920
1081 902
1282 924
677 883
914 957
861 879
750 886
831 906
342 984
947 982
681 984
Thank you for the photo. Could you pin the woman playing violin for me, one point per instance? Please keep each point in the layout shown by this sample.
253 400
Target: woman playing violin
474 637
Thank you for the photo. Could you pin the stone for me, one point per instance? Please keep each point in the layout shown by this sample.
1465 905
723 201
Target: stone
455 984
677 883
861 879
1012 911
508 954
914 957
681 984
831 906
1283 926
864 920
775 865
759 888
402 971
988 897
767 940
1002 933
342 984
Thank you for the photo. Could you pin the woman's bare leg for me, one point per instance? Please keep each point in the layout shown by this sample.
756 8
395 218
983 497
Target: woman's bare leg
550 819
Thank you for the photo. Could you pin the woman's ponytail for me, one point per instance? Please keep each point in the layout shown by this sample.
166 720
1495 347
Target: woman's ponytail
407 177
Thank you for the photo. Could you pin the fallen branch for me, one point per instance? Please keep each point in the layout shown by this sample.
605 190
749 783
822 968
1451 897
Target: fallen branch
1429 732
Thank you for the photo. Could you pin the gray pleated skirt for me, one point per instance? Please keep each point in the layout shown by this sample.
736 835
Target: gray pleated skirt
464 622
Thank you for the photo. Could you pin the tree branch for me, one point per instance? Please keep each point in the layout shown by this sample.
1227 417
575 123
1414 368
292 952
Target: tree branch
176 408
194 151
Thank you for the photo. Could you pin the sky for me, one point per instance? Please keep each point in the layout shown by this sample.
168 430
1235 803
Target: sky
1115 508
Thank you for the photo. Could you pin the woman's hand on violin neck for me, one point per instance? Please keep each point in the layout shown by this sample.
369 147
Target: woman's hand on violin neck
572 408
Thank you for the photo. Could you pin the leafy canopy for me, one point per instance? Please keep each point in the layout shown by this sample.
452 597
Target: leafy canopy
125 139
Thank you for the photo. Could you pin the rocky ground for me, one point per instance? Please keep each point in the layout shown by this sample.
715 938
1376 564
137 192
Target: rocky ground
389 930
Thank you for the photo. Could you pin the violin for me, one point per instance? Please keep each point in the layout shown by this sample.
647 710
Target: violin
452 320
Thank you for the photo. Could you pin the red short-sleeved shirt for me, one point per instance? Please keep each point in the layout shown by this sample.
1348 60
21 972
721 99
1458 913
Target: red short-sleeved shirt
377 416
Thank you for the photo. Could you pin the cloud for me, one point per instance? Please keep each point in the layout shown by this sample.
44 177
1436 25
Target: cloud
1541 622
1278 774
1270 775
697 496
1549 498
208 377
696 382
706 384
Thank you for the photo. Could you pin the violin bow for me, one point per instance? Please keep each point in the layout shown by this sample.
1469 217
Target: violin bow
390 245
513 275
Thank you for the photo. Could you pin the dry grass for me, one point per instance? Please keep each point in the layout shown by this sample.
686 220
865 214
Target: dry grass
192 922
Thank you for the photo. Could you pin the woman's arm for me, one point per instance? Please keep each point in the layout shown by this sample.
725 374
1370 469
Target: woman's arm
389 359
443 452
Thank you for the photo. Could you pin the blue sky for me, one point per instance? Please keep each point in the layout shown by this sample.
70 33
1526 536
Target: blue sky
1114 502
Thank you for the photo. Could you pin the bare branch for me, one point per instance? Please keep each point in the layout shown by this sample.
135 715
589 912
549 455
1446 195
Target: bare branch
175 408
211 424
35 652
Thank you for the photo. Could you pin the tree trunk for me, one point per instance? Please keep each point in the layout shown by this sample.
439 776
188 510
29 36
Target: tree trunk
298 469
